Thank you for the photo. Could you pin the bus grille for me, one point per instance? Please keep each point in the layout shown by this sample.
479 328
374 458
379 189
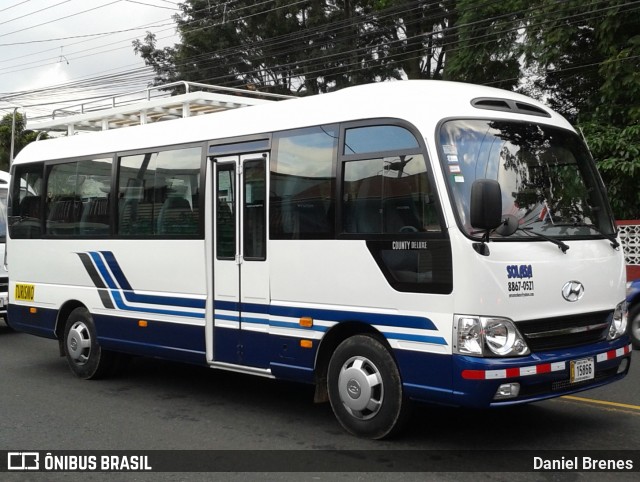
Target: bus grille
4 284
565 385
565 331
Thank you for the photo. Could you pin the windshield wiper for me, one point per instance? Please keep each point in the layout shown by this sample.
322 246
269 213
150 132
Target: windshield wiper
510 225
611 237
563 246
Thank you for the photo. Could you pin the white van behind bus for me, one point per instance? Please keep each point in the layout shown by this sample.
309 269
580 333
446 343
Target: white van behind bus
4 275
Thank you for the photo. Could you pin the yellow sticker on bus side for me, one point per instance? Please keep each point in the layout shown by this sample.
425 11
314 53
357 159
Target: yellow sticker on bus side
24 292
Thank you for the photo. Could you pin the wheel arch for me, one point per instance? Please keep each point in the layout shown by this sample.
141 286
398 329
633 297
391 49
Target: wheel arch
61 320
330 341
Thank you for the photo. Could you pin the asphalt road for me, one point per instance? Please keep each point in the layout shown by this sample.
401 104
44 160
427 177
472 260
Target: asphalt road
157 405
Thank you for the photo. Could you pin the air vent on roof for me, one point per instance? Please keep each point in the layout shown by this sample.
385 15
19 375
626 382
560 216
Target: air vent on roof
508 105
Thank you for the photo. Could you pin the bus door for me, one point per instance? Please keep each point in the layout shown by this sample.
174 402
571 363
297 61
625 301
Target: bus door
240 274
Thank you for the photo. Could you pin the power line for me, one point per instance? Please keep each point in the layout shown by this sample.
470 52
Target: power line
100 34
32 13
350 68
61 18
151 5
13 6
454 46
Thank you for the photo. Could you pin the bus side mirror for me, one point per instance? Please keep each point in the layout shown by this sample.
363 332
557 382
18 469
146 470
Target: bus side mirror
486 204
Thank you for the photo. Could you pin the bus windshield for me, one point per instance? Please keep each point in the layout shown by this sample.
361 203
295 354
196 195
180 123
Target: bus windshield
547 178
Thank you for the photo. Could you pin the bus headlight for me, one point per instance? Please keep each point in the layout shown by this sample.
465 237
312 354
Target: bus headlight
487 336
618 325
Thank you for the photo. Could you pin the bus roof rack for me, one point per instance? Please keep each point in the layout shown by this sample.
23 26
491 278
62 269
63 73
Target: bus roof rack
150 105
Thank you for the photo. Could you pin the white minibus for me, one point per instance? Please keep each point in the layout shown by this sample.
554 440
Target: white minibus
391 243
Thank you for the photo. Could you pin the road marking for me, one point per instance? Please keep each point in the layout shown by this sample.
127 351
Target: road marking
603 402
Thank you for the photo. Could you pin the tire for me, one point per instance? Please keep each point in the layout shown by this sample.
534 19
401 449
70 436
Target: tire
365 389
5 318
84 355
634 325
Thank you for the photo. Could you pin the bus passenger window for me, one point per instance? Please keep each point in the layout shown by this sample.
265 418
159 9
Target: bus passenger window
77 198
26 202
302 184
378 138
388 195
159 193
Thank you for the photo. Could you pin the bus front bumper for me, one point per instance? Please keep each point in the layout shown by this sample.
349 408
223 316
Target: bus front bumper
493 382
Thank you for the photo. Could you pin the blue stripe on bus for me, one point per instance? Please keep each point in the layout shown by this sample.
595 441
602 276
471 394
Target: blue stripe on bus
434 340
227 317
157 311
134 297
97 261
117 283
116 270
379 319
284 324
116 295
400 321
255 321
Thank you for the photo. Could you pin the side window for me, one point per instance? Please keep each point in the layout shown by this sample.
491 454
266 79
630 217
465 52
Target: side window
387 199
254 211
78 198
26 202
362 140
302 184
226 212
159 193
388 195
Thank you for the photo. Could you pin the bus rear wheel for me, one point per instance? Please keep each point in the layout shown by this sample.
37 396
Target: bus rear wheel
84 355
365 389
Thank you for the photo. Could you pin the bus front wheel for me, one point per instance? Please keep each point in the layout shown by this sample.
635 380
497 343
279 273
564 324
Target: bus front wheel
84 355
365 389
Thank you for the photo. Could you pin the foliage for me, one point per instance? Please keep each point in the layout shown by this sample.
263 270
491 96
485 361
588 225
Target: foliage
303 47
588 55
22 137
617 154
488 47
582 57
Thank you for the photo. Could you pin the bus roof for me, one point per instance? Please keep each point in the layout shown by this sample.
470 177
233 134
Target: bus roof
421 102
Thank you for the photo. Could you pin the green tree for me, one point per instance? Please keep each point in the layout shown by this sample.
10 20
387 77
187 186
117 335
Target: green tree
617 153
303 47
582 57
269 45
588 58
488 42
415 35
23 136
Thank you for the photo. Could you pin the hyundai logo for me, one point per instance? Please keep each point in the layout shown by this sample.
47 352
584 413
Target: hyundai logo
572 290
353 389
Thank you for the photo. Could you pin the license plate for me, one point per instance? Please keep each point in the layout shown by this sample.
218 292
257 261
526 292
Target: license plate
582 370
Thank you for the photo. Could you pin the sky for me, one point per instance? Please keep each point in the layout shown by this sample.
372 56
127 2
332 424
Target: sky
45 43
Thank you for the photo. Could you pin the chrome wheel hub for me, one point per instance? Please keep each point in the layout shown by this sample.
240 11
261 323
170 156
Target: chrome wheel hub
79 343
360 387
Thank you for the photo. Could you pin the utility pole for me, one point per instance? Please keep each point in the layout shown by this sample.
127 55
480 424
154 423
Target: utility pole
13 136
